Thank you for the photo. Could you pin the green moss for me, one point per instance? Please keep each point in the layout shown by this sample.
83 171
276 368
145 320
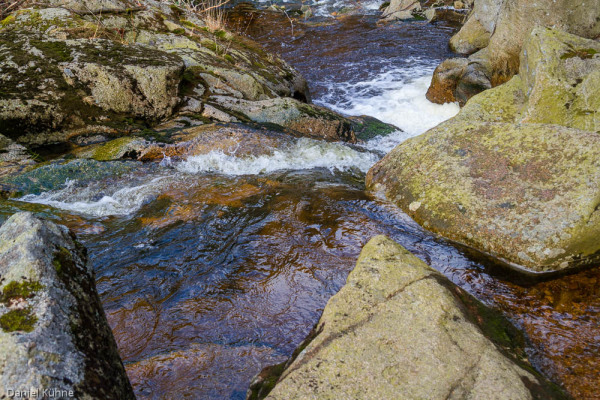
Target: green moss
581 53
229 58
63 261
176 10
367 128
18 320
16 290
179 31
270 375
59 51
190 25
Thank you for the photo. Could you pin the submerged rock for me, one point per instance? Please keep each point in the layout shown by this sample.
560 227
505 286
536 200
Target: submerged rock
53 331
497 30
399 329
56 175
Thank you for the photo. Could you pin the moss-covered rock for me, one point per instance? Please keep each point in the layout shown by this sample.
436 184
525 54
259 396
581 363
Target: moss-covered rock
56 89
399 330
523 193
53 331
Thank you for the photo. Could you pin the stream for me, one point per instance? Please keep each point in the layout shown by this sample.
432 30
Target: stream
214 267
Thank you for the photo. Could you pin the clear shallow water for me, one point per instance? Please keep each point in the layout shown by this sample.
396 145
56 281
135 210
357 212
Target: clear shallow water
212 268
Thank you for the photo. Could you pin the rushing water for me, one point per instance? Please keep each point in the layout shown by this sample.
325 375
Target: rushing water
216 266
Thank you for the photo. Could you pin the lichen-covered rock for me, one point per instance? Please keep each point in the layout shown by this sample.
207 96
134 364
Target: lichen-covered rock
510 23
561 76
523 193
94 6
476 32
53 332
558 84
398 329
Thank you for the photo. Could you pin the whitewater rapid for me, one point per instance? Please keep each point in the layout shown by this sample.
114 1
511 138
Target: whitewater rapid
396 96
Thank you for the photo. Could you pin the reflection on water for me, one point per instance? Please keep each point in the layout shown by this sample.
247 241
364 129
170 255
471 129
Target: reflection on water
207 275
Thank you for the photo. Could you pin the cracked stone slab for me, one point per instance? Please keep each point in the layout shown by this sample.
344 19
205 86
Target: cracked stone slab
398 329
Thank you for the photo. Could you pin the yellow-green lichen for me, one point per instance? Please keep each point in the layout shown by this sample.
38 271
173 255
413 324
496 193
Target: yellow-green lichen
7 21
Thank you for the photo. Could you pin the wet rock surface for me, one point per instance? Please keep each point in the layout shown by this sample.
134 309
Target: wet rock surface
53 332
399 329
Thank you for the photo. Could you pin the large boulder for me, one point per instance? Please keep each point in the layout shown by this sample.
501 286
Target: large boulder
508 23
515 173
52 88
54 336
476 32
561 77
398 329
523 193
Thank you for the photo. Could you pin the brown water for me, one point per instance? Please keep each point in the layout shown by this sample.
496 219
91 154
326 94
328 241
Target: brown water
206 277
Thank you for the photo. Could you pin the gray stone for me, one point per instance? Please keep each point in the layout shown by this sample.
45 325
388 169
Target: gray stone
53 331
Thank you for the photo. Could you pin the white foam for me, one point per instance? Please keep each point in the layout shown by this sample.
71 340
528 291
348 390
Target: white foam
304 154
123 201
396 97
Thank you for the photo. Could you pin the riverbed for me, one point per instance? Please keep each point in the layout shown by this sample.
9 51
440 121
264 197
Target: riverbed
213 267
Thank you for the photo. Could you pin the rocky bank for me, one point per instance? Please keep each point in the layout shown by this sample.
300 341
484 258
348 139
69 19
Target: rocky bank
54 337
493 37
516 173
75 74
